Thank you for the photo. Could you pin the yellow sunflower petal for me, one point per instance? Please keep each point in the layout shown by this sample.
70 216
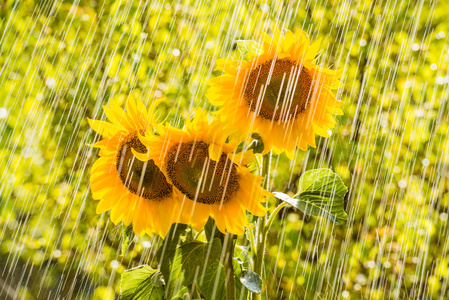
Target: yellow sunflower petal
165 211
106 204
119 114
243 158
282 125
103 128
185 154
313 49
194 213
215 152
235 218
219 218
226 65
150 207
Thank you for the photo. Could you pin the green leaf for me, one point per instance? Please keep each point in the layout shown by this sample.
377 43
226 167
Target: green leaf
183 264
142 283
243 257
252 281
182 293
213 286
241 292
128 236
321 193
175 236
212 231
257 144
249 46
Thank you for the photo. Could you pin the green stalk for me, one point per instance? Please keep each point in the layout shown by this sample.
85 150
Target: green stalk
261 233
229 270
251 239
273 215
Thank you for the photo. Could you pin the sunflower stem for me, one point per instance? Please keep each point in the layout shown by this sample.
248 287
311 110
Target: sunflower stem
251 238
261 233
273 215
229 270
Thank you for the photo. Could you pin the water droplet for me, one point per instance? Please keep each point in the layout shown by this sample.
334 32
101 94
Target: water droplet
56 253
115 264
3 113
440 80
136 57
440 35
209 45
158 94
264 7
419 113
402 183
50 82
27 152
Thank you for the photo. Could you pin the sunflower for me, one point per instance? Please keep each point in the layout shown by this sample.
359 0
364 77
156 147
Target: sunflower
200 163
133 190
279 93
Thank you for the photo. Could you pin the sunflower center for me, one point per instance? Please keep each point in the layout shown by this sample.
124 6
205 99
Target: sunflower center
281 96
143 179
200 178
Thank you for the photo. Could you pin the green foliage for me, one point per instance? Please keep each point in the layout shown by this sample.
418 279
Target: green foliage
252 281
213 284
321 193
128 236
243 257
142 283
175 236
186 262
212 231
249 46
257 144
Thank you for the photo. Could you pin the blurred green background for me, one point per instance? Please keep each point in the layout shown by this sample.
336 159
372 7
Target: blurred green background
60 61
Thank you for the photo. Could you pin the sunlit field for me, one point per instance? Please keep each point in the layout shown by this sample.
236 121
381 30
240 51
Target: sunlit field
224 150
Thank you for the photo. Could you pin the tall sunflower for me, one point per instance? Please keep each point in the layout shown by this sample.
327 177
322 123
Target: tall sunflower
279 93
204 167
133 190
